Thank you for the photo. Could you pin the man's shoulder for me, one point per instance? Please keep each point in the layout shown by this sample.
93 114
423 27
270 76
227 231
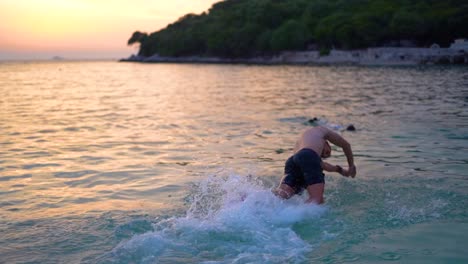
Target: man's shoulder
318 129
315 132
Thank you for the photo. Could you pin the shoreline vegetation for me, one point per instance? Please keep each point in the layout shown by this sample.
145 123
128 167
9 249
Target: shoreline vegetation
362 32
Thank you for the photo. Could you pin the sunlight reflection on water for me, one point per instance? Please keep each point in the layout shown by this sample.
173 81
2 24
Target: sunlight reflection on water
85 139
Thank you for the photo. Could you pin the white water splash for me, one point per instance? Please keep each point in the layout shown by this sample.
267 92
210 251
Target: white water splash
231 219
413 213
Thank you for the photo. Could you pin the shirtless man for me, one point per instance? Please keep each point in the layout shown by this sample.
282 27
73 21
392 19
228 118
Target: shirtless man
304 170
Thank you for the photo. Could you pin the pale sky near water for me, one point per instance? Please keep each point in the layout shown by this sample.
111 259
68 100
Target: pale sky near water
83 29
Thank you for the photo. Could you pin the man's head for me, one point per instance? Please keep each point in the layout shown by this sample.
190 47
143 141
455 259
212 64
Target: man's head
326 152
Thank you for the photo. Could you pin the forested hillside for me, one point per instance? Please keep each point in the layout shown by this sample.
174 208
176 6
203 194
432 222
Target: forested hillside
244 28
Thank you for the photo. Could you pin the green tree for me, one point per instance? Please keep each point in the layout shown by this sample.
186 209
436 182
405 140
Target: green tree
289 36
263 42
333 29
407 25
137 37
370 29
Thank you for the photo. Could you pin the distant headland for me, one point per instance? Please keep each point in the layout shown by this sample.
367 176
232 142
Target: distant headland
366 32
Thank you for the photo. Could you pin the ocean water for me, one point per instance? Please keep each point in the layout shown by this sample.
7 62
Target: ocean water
106 162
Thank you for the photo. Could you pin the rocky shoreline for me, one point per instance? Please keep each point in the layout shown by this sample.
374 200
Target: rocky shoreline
370 56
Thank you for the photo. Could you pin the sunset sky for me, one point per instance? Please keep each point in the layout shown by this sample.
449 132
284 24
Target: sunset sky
41 29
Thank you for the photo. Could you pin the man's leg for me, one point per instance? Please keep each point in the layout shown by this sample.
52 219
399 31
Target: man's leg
311 167
291 173
284 191
316 193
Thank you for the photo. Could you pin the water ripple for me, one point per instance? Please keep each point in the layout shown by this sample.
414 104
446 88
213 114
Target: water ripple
9 178
73 174
94 152
40 165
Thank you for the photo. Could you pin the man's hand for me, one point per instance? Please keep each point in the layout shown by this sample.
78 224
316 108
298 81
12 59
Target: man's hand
341 171
352 171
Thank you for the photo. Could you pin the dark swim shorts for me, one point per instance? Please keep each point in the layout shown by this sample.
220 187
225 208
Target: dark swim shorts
303 169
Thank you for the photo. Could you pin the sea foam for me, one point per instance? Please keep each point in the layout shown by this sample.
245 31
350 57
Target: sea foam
230 219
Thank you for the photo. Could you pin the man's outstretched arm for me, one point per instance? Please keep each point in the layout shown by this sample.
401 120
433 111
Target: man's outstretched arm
339 141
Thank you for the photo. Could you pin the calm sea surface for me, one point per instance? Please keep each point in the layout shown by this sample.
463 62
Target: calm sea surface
105 162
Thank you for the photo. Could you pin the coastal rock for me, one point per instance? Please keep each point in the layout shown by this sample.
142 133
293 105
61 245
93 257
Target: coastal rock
351 128
313 120
370 56
134 58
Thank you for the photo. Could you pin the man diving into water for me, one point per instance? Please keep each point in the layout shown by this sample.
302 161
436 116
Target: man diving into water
304 169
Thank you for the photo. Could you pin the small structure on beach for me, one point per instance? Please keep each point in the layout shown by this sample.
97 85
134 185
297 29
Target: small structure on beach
460 45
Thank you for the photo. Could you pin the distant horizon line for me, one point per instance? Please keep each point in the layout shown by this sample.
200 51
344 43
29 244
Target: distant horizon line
58 60
16 55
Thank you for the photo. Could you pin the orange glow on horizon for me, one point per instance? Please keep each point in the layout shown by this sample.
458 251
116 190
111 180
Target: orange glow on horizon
82 25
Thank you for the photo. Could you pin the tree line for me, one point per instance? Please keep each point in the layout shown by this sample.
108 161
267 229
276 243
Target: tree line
245 28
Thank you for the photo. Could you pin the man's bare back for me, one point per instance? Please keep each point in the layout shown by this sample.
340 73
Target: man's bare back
304 169
313 138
